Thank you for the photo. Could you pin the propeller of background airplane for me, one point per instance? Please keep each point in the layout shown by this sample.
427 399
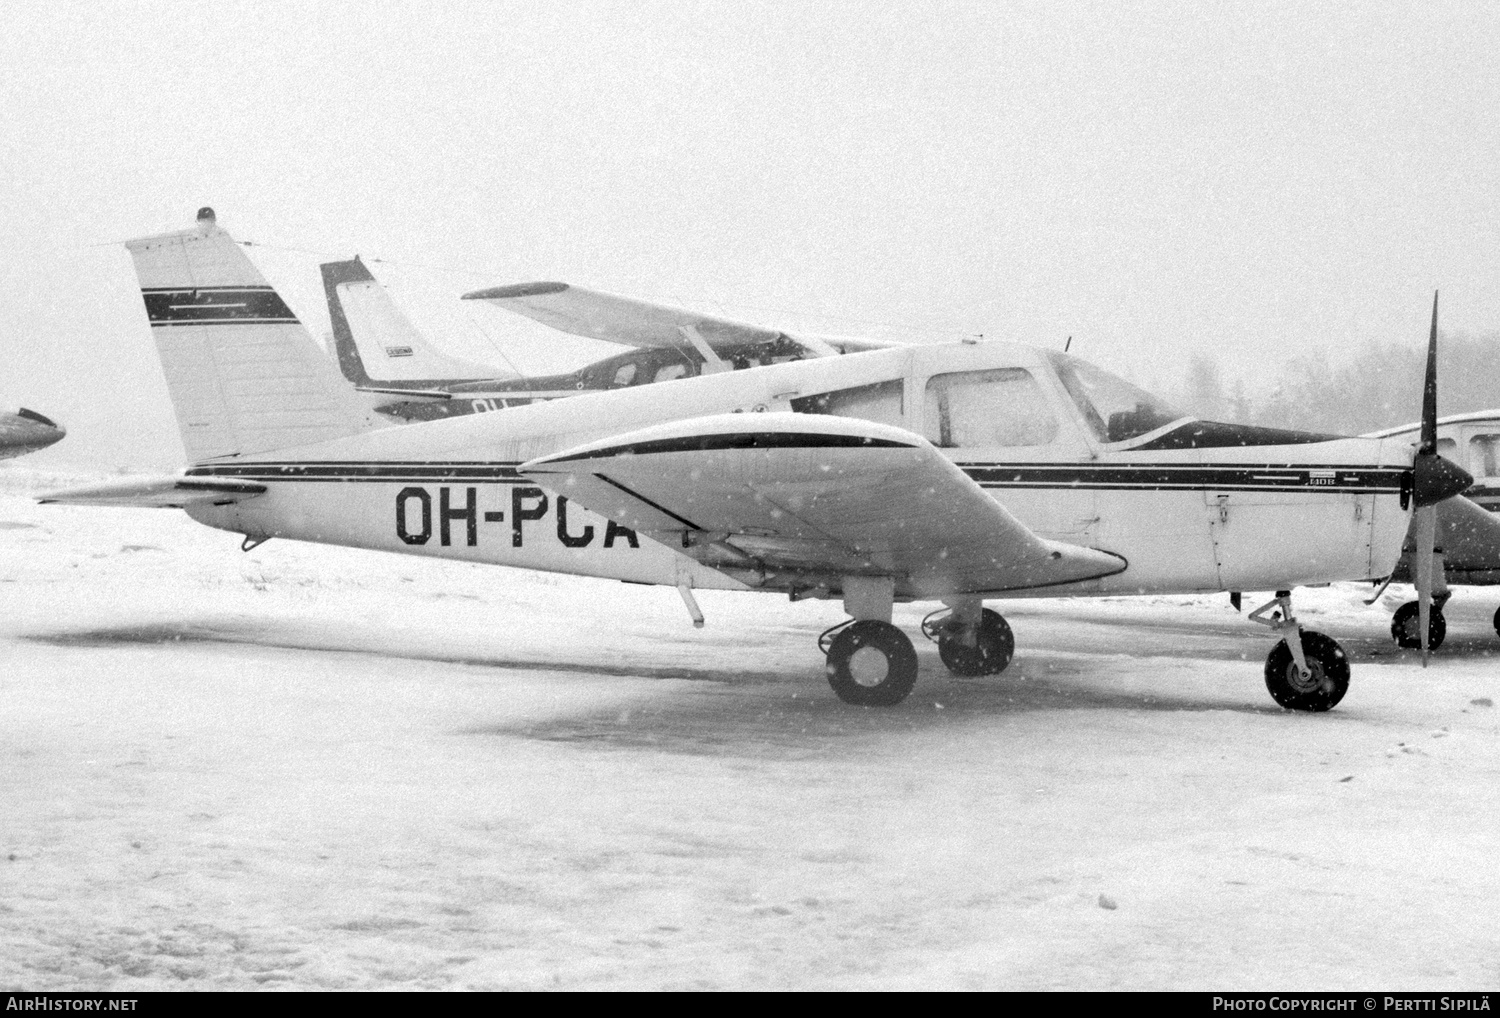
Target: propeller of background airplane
1433 480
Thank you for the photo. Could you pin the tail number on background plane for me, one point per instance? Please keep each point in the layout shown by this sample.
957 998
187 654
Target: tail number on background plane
457 517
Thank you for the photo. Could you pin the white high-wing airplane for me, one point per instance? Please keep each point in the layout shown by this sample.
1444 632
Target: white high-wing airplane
27 431
1468 543
953 474
420 383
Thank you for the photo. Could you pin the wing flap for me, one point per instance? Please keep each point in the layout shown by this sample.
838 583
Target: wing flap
797 491
156 493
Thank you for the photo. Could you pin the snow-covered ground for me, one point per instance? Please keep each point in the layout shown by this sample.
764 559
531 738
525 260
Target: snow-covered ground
312 767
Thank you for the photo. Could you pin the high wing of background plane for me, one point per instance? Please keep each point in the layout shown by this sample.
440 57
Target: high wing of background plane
27 431
665 343
598 315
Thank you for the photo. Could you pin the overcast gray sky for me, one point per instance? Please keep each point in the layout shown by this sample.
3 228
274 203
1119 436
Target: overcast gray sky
1250 180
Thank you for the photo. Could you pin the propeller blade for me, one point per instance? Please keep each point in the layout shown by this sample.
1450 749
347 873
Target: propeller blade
1434 478
1429 388
1426 540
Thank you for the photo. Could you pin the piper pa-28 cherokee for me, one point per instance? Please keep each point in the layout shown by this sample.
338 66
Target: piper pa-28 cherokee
955 474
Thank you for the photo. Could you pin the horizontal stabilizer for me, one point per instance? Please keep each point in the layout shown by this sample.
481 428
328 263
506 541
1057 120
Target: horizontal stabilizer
156 493
816 493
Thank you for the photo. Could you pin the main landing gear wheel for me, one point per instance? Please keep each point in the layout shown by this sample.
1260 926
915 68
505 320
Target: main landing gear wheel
1324 687
994 644
1406 626
872 664
1497 621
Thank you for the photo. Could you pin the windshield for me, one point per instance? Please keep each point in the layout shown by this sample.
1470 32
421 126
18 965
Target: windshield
1115 410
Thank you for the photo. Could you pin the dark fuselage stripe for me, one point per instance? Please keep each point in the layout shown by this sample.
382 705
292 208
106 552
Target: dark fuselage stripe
360 471
227 321
1328 489
739 440
1072 477
1257 477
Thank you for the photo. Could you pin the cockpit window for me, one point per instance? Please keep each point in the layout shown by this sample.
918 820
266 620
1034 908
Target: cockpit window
1115 410
976 409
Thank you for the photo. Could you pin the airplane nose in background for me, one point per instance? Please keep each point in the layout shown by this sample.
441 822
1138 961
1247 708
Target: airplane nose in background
1436 479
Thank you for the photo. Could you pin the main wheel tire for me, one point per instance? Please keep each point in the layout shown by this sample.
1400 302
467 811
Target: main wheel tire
1321 690
993 648
1406 627
1497 621
872 664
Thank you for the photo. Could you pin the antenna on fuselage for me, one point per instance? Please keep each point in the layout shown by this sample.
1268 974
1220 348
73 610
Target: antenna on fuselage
1067 344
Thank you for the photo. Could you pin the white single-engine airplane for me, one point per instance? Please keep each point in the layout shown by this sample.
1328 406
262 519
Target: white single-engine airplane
956 474
420 383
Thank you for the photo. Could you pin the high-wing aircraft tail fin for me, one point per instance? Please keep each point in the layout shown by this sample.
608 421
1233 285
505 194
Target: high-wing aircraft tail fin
371 333
245 376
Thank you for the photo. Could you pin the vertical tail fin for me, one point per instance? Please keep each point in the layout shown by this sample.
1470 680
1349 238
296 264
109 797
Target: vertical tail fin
244 374
364 316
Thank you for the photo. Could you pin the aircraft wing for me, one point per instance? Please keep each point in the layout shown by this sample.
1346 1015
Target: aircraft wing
607 316
157 493
815 494
27 431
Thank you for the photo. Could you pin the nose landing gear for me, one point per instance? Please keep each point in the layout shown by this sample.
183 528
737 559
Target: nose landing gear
1306 670
1406 625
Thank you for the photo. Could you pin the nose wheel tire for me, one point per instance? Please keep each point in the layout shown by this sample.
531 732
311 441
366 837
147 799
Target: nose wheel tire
872 664
1406 627
994 645
1319 691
